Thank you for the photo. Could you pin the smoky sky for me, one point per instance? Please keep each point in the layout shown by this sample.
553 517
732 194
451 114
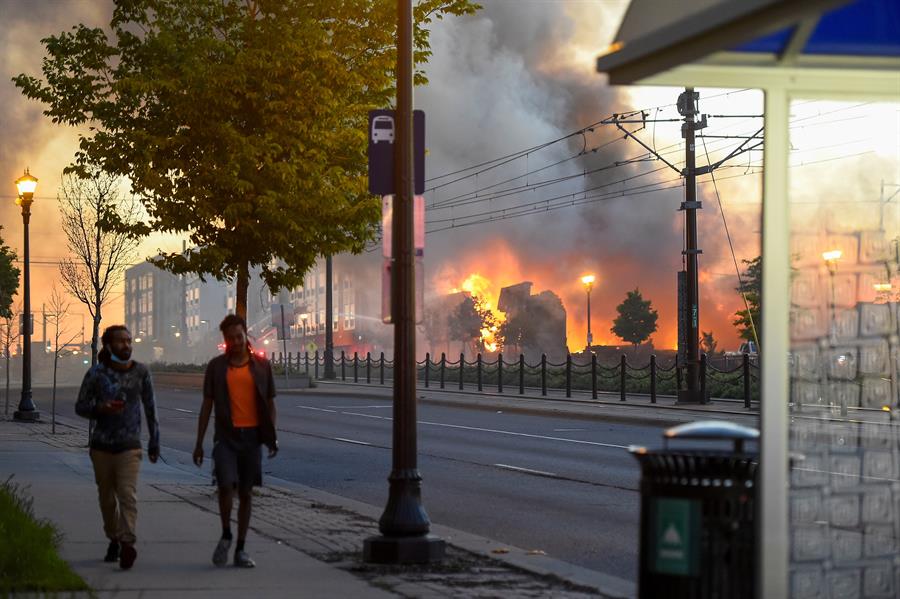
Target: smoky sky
500 81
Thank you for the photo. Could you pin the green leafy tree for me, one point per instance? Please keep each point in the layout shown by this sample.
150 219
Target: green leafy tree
636 320
9 278
747 322
239 122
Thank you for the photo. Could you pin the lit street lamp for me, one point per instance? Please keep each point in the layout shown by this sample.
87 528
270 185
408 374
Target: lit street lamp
831 258
27 411
588 282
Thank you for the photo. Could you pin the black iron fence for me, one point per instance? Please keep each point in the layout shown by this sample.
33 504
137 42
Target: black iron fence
515 376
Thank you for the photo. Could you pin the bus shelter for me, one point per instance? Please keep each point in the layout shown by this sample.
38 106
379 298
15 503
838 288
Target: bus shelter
829 520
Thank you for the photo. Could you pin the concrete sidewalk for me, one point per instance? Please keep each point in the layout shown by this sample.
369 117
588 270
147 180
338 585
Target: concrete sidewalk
307 543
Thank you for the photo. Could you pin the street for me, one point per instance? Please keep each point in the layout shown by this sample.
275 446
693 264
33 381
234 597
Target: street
564 486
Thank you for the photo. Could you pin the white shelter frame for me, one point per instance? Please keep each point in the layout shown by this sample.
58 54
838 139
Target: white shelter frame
842 79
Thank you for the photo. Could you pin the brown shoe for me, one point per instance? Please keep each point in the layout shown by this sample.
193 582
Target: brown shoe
127 556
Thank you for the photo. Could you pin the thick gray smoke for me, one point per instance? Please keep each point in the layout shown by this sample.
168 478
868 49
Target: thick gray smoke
505 80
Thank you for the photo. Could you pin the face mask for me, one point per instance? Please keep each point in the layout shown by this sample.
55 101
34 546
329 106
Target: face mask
117 359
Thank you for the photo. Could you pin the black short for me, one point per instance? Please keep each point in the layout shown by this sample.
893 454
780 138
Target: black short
238 461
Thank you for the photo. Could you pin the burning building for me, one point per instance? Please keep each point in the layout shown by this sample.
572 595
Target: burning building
535 324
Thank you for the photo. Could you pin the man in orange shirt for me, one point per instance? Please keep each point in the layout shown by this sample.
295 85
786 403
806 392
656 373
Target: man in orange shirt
240 387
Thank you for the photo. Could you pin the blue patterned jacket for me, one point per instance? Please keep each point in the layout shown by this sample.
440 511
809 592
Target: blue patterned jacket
119 432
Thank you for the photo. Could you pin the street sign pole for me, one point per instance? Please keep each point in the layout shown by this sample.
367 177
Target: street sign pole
404 525
284 337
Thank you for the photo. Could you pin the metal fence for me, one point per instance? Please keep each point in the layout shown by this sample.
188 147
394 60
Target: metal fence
505 376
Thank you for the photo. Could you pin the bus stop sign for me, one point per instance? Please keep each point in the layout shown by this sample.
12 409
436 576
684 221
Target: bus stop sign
381 134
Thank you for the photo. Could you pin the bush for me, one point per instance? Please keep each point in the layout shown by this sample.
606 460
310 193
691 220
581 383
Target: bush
28 552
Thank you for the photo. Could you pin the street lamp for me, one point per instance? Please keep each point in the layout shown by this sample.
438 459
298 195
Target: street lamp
588 282
27 411
831 258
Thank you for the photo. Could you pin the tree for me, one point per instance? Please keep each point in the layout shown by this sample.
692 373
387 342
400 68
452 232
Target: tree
747 321
242 123
100 257
9 278
7 335
636 320
464 322
518 331
62 337
708 343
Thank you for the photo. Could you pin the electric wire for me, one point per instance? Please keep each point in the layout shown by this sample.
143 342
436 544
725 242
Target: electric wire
737 269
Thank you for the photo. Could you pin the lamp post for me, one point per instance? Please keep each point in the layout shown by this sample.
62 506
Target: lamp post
404 525
831 258
588 282
27 411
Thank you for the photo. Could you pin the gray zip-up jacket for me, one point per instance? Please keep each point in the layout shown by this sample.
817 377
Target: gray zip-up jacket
119 432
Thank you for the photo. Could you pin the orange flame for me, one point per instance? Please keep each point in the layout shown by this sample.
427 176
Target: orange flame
481 289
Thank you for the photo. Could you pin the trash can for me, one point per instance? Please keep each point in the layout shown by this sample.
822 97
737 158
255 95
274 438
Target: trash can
698 538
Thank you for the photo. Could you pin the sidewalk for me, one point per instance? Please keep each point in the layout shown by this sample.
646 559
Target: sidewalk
307 543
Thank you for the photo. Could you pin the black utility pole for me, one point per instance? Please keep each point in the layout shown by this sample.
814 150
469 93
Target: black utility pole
688 108
329 324
404 525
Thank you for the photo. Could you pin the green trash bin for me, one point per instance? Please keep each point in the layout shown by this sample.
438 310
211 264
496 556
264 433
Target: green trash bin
698 537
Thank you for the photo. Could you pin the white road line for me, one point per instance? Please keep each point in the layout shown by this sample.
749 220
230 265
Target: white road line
183 410
568 430
547 438
367 415
350 441
317 409
491 430
862 476
363 407
526 470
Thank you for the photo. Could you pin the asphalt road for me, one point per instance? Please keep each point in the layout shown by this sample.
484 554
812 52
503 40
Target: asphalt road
564 486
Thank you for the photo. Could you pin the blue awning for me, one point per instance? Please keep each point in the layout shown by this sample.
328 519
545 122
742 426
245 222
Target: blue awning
863 28
797 33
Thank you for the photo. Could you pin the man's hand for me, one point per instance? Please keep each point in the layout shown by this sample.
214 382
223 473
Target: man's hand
273 450
198 455
112 406
153 454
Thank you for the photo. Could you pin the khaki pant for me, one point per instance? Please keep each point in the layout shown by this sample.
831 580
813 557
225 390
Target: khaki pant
116 475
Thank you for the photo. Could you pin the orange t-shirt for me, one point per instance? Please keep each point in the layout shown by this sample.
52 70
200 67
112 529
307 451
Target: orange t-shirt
242 393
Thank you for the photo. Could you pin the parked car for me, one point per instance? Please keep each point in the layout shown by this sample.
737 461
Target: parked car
747 347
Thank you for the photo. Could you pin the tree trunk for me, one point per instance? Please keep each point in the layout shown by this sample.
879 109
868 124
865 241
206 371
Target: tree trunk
240 298
6 409
53 401
95 338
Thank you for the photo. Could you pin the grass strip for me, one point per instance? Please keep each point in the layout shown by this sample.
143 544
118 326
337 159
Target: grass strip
29 558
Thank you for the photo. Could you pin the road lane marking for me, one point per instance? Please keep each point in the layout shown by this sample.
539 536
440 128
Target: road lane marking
350 441
526 470
183 410
367 415
363 407
490 430
317 409
530 436
848 474
568 430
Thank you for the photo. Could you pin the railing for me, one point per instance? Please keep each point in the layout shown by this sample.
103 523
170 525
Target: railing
501 376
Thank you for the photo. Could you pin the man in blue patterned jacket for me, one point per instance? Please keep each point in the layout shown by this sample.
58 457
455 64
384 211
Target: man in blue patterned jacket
112 393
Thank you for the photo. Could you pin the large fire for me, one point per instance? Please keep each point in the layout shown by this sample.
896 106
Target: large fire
484 271
483 292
